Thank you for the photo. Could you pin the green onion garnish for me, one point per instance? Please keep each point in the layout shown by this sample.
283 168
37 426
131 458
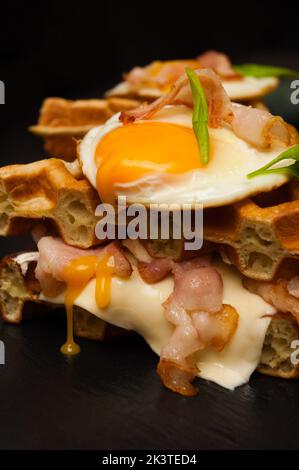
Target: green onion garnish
256 70
200 116
292 170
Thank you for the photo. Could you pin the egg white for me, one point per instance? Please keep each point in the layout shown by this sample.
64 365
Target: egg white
249 88
246 89
223 181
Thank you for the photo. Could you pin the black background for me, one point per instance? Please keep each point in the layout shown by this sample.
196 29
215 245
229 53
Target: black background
110 396
80 49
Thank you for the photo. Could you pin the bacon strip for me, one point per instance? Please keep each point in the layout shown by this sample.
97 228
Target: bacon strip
220 63
217 329
165 73
159 74
220 108
192 291
54 255
277 294
195 309
260 128
155 270
256 126
137 249
138 75
158 268
123 267
293 286
172 70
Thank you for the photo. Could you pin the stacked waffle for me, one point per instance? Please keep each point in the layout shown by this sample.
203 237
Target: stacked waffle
63 122
218 311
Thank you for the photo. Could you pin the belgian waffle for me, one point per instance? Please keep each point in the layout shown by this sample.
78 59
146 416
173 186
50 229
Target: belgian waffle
259 233
51 190
62 122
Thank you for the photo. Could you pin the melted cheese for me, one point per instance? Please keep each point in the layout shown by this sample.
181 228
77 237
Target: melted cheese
136 305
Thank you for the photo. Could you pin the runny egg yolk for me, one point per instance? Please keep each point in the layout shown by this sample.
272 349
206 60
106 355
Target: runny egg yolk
76 274
133 151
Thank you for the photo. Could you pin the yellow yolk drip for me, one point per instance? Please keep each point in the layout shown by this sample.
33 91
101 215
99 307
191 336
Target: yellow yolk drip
131 152
76 274
104 273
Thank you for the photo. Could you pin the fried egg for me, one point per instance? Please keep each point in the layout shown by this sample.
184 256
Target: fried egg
157 161
250 88
245 89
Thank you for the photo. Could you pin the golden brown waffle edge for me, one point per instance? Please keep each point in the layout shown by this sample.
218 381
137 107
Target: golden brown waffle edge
63 122
259 233
276 354
48 190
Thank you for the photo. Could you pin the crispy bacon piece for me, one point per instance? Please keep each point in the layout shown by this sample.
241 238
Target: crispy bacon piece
260 128
216 329
192 312
165 73
193 287
123 267
177 360
171 70
191 292
220 63
195 309
158 268
159 74
138 75
202 261
54 255
277 294
155 270
220 108
137 249
202 329
293 286
177 378
150 269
